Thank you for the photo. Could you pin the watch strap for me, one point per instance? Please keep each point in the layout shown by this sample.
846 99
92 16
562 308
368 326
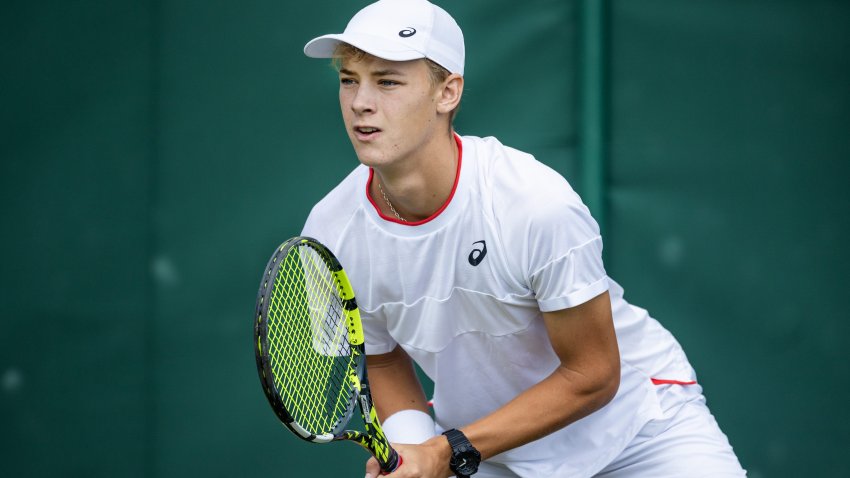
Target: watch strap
456 437
460 444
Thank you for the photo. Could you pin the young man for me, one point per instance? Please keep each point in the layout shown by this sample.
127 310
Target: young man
484 267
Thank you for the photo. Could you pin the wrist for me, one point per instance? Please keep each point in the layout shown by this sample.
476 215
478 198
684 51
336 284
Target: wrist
441 450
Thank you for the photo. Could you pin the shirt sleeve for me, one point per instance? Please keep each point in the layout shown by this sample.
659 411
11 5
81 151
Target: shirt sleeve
571 279
378 338
564 253
552 243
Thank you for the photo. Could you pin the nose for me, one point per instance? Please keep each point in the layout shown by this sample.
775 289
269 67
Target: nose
363 101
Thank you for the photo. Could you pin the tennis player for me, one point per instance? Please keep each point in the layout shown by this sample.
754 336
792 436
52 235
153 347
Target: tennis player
483 266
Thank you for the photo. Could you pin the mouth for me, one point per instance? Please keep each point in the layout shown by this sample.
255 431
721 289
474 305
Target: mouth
365 133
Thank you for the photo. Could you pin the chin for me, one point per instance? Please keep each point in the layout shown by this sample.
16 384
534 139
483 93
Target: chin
370 156
367 159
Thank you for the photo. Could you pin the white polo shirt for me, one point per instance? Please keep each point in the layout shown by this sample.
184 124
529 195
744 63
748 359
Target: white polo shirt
463 293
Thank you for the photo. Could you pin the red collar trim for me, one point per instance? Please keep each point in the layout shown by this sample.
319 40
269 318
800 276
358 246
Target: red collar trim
432 216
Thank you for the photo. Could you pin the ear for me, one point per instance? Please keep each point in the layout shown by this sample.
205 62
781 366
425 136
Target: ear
450 93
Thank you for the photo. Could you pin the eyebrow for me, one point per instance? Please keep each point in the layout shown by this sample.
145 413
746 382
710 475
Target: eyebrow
378 73
387 72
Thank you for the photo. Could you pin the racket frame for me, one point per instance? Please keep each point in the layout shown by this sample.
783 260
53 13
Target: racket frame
374 440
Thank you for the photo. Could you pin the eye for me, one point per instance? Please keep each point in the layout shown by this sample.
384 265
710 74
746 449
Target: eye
346 81
388 82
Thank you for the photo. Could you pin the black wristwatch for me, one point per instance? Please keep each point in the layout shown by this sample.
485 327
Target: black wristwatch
465 458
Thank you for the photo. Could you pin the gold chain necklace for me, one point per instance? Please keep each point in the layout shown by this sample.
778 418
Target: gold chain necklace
390 204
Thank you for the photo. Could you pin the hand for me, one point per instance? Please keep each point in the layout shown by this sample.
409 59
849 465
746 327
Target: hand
428 460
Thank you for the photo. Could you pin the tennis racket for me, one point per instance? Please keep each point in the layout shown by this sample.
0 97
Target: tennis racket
310 351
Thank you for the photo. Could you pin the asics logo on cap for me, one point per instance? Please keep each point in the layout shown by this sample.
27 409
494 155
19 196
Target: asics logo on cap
407 32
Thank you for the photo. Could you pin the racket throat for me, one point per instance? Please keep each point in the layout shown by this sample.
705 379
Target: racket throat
366 408
364 395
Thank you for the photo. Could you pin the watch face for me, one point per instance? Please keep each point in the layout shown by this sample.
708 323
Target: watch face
466 461
466 467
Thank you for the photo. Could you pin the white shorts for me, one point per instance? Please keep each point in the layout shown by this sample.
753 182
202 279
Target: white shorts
689 444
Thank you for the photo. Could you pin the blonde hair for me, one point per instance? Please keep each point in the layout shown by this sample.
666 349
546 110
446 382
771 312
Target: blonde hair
437 73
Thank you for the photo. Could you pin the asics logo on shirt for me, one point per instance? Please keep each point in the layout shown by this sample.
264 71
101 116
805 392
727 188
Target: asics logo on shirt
477 255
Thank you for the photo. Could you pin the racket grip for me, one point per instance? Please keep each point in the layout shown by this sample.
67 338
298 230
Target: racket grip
393 462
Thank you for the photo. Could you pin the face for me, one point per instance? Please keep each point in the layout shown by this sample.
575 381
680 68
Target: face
389 109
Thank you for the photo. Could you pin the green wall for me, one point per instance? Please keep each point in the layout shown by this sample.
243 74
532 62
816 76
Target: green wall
730 141
75 187
154 152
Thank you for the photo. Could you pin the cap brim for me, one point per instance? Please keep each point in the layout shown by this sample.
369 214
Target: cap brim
325 46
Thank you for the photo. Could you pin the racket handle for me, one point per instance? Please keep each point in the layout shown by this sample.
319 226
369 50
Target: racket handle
393 462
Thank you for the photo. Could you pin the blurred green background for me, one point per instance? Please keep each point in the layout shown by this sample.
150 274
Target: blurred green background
154 152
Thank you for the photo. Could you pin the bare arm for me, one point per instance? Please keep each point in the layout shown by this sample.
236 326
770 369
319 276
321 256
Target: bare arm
586 379
394 383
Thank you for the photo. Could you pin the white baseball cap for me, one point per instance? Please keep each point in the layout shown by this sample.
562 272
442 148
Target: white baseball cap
399 30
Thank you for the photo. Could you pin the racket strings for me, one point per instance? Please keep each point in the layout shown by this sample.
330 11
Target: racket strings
308 343
296 374
323 304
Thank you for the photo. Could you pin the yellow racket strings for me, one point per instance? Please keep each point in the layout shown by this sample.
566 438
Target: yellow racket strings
308 346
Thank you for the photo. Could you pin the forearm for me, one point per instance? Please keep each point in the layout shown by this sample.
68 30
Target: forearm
586 379
399 398
394 384
562 398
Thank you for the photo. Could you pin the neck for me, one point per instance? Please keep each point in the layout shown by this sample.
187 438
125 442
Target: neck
418 188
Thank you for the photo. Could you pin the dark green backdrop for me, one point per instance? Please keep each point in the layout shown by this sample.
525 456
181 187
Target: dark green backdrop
154 152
